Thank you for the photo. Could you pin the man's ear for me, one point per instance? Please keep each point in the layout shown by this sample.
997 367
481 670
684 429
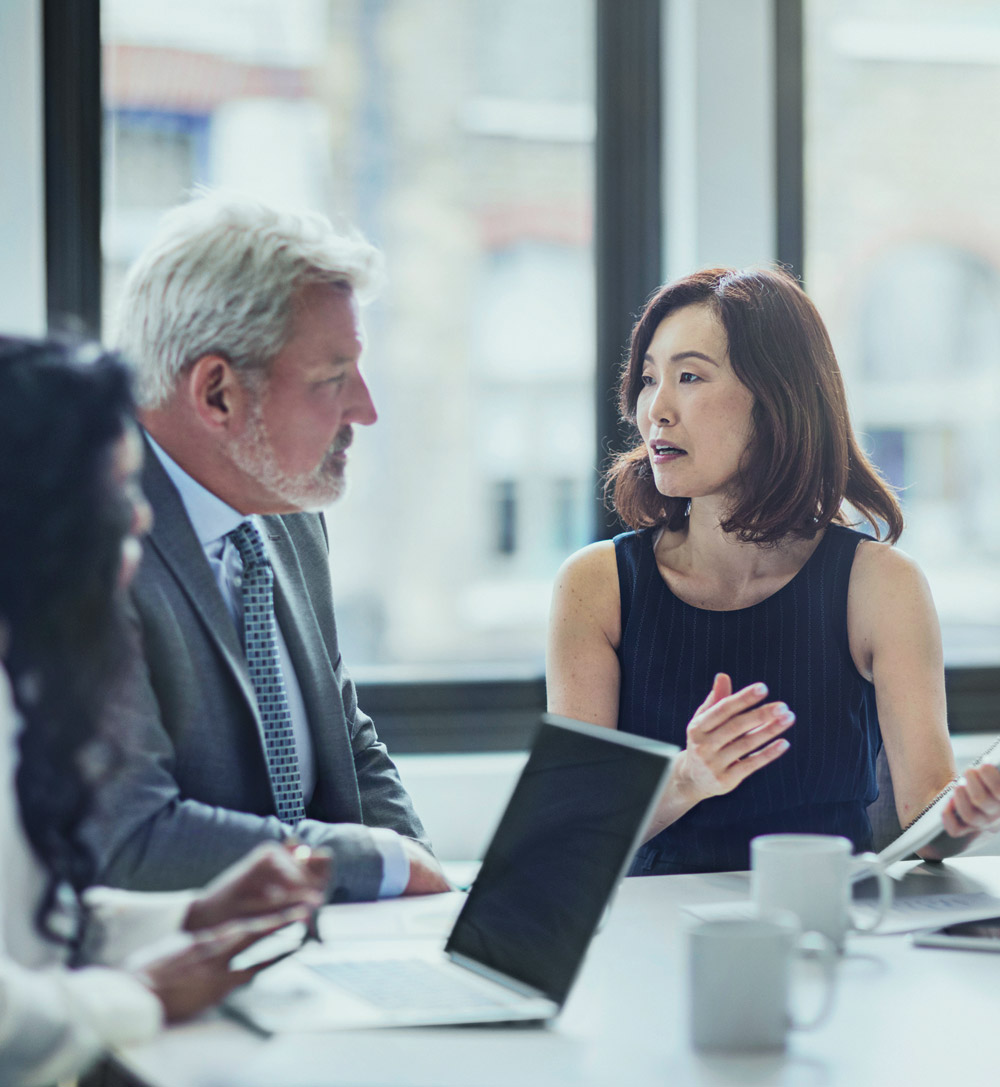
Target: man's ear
215 392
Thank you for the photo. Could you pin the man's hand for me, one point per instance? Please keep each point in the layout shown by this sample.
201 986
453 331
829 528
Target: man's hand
189 981
426 876
271 877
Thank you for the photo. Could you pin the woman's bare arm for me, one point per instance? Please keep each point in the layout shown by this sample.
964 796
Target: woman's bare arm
896 643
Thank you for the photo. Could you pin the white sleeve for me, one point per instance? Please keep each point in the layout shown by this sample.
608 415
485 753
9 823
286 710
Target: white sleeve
122 923
54 1023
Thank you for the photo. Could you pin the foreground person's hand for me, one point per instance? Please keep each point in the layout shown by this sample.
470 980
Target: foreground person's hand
189 981
271 877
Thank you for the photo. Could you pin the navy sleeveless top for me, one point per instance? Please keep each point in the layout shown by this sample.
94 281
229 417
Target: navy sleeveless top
795 641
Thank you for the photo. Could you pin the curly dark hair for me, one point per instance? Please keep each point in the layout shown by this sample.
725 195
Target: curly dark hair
62 409
803 460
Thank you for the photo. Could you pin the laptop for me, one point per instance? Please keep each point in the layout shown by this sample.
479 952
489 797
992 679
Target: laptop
564 842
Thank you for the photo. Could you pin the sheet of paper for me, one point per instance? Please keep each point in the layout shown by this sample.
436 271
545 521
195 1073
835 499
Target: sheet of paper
418 915
935 910
908 914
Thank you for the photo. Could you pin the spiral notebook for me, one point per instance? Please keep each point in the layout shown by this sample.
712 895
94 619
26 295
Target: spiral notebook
928 825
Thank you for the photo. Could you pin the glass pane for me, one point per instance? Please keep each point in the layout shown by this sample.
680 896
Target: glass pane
458 135
903 260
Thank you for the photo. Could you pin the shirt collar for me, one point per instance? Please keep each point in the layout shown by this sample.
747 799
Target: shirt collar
210 517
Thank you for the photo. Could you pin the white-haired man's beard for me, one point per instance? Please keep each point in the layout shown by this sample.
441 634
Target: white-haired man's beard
253 452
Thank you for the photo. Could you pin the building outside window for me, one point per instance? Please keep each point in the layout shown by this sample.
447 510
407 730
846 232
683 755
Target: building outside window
458 136
902 115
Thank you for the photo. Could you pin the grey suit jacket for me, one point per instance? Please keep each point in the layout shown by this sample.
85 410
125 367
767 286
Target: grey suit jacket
192 794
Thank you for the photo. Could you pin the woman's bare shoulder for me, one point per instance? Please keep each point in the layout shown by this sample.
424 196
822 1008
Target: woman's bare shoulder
595 562
586 587
890 610
882 567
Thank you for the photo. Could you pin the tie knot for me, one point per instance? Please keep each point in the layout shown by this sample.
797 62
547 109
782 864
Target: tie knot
250 546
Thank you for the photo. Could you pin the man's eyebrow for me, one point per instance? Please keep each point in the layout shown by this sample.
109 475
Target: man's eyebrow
336 361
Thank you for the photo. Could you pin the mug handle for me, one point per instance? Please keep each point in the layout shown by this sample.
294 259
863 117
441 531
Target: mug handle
819 947
865 865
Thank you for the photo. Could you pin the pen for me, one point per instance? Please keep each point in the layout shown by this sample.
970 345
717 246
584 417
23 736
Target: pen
301 853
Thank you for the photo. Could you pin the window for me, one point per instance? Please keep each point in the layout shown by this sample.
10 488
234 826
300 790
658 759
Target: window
902 220
459 136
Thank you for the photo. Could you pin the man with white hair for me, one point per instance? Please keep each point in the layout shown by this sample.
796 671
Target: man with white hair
241 323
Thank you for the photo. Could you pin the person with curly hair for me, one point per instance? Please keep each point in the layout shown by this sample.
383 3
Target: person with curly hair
73 517
743 577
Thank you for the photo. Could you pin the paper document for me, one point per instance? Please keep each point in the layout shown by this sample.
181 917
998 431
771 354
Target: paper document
907 914
929 825
406 917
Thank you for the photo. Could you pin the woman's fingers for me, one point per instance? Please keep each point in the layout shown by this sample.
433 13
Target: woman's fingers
193 979
752 721
287 873
227 941
738 723
732 735
975 802
722 687
746 742
953 824
719 713
314 864
983 785
750 764
269 877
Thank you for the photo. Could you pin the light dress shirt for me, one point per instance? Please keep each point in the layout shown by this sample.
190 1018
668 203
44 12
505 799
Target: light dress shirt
54 1022
212 520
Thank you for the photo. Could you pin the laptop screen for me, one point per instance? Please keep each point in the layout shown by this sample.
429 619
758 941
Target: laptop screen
568 832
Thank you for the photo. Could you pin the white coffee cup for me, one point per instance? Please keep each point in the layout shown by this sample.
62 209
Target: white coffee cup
740 981
813 875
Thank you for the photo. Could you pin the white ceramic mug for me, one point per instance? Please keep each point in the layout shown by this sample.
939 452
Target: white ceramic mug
740 981
812 875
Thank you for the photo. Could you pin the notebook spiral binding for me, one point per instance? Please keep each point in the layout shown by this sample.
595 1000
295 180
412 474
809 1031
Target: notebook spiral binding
977 761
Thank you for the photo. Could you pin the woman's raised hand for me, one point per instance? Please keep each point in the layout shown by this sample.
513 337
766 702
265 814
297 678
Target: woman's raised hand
271 877
730 737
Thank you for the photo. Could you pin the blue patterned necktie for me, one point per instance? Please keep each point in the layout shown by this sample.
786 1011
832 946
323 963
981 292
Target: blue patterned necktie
260 640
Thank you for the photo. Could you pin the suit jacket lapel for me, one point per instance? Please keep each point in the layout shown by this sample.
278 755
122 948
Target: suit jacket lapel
175 542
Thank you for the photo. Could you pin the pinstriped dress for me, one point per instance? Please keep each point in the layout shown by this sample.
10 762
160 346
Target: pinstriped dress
795 641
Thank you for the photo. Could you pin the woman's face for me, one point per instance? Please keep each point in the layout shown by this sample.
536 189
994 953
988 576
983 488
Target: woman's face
125 467
693 412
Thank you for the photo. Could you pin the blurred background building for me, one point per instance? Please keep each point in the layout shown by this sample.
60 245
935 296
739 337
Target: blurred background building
461 136
458 135
903 258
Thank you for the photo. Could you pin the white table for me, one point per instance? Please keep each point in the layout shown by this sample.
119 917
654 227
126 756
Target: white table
903 1015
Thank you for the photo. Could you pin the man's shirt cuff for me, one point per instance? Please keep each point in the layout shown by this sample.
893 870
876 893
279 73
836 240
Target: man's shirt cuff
395 863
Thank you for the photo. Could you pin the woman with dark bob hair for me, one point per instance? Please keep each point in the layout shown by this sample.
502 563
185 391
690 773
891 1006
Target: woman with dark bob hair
72 516
742 578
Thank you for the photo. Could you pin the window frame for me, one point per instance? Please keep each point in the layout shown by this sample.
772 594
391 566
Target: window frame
73 141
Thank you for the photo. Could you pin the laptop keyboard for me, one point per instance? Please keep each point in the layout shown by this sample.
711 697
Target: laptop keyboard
394 984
